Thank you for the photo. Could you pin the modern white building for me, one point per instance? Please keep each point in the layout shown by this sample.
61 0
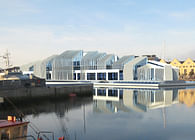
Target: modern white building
157 71
95 66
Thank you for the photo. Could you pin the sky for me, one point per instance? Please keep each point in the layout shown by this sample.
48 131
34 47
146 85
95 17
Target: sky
32 30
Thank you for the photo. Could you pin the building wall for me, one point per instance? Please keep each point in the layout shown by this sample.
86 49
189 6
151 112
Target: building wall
184 67
130 69
187 66
168 73
147 73
157 72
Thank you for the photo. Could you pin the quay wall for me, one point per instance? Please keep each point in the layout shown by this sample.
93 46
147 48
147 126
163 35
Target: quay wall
58 91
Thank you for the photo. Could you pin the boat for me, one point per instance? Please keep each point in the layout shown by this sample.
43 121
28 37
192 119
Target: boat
13 129
13 77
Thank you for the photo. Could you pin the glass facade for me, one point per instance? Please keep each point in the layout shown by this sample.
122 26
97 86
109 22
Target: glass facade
48 76
113 76
31 68
78 76
91 76
101 76
100 66
121 75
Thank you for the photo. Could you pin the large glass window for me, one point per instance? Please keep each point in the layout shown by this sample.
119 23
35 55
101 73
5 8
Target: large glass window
74 76
113 76
152 74
78 76
76 65
49 66
101 76
90 76
121 75
48 76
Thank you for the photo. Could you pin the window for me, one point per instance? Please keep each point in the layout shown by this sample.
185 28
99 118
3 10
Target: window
74 76
49 66
113 76
48 76
101 76
90 76
152 74
78 76
185 71
4 136
121 75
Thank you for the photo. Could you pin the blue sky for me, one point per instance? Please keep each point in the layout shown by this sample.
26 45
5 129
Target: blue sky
34 29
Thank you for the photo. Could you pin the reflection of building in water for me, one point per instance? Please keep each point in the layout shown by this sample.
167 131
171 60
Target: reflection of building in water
156 99
11 130
187 97
108 100
113 100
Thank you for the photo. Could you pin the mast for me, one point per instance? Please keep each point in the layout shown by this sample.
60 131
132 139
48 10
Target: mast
6 58
164 49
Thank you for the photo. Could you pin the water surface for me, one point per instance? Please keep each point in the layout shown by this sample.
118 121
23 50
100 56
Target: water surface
113 114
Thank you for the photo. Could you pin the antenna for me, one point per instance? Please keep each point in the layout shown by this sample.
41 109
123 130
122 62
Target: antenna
164 49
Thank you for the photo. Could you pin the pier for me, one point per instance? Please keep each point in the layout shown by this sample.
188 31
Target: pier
54 91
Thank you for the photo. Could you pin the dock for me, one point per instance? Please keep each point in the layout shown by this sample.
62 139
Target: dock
144 84
49 91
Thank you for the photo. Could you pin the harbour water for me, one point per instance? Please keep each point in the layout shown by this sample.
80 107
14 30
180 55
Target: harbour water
112 114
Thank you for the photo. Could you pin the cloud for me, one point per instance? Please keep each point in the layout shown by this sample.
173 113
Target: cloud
125 2
17 7
28 44
183 15
67 38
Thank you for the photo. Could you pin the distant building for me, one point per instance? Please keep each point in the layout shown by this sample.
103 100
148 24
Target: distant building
152 57
158 71
185 67
93 65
